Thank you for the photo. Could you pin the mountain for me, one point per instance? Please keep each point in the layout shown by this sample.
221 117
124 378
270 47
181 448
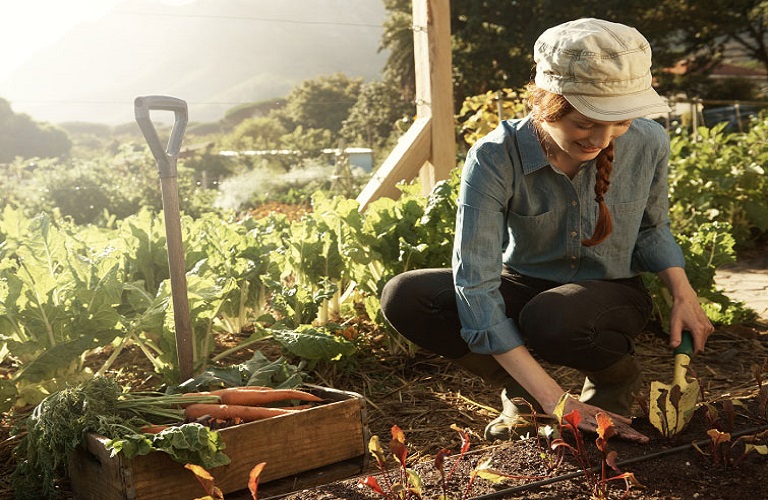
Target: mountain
214 55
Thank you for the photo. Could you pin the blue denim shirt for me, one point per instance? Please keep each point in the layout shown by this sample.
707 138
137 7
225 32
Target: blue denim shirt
515 209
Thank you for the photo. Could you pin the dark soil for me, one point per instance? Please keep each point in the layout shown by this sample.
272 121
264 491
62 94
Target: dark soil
666 468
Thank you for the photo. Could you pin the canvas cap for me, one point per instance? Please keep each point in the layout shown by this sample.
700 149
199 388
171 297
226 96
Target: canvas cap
602 68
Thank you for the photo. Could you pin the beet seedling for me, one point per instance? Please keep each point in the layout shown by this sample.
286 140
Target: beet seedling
409 485
212 492
598 485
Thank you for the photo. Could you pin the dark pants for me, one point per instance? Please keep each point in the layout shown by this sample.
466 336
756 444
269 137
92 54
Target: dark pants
587 325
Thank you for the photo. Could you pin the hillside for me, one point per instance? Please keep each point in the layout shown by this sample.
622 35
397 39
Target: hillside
214 55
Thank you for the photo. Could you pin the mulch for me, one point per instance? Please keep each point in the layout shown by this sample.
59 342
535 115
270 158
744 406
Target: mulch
425 394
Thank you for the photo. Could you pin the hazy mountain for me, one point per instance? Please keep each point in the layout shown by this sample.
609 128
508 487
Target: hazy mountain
214 55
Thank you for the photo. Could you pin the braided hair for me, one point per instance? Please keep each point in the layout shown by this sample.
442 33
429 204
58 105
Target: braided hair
548 106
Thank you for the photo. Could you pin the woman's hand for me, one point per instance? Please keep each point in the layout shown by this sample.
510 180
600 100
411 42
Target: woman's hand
588 414
686 313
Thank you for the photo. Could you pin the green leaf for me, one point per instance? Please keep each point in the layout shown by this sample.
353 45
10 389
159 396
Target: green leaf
314 343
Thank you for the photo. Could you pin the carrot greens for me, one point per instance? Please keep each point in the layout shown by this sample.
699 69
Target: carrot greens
57 426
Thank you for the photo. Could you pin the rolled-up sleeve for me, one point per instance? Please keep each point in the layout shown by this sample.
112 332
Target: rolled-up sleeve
477 254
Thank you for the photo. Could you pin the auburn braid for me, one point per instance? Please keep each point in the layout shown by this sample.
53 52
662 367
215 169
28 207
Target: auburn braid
604 226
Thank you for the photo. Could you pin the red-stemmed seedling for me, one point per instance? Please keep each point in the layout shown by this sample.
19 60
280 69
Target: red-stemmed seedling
598 485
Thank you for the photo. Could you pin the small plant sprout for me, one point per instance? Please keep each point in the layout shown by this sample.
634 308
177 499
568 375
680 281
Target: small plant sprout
206 481
727 453
408 483
212 492
598 485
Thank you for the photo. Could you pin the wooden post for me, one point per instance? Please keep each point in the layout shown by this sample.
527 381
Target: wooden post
434 86
428 148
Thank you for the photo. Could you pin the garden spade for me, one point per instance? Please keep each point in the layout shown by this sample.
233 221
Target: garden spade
166 163
672 406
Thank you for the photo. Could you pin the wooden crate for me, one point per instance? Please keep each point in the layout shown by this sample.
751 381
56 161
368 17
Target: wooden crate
296 448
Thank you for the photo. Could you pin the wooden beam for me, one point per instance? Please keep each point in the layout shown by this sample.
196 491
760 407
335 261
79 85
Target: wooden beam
411 152
428 148
434 86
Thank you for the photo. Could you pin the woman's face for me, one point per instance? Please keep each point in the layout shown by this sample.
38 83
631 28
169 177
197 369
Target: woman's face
580 138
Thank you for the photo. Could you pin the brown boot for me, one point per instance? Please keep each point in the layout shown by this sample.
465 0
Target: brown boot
614 388
516 418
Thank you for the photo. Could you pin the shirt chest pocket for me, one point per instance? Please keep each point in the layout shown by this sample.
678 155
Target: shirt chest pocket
535 235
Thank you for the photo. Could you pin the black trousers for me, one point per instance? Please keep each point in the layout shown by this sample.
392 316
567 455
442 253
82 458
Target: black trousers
587 325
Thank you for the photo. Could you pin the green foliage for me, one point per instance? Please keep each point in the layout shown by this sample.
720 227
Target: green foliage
190 443
720 177
374 119
20 136
57 426
710 247
322 103
95 191
479 114
257 371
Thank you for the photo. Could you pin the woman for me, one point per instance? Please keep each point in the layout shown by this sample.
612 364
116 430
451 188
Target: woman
559 214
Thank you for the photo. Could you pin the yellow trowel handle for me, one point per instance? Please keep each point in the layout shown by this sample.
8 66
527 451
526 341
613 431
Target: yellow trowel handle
683 354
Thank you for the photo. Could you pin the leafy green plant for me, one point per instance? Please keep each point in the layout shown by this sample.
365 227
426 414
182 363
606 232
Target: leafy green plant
719 176
710 247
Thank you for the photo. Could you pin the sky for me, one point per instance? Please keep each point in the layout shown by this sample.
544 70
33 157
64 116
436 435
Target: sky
27 26
81 60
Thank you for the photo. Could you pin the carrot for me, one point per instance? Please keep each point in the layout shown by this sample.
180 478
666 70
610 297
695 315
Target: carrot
223 411
253 397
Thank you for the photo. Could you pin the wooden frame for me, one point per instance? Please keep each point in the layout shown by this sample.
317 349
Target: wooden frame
428 148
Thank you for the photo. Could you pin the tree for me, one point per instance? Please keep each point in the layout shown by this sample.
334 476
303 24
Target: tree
258 133
493 39
375 115
21 136
322 103
707 33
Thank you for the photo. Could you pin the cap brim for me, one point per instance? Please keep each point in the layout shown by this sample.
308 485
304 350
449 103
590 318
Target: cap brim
620 107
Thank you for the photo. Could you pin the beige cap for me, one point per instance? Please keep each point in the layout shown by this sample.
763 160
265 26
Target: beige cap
602 68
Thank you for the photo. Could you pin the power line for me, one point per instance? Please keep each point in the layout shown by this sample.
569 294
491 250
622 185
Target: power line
251 18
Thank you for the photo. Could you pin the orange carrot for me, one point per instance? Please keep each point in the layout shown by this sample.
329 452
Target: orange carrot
244 413
253 397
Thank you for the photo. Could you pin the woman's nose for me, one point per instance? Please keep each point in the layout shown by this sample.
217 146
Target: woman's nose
601 138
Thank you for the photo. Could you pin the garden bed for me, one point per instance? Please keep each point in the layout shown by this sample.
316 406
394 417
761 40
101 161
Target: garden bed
667 469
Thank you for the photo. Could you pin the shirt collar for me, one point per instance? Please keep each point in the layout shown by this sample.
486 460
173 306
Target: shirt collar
531 153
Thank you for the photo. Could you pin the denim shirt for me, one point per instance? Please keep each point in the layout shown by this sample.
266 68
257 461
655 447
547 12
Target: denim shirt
517 210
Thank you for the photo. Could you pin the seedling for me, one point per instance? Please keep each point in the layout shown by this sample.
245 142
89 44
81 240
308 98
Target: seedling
725 453
408 484
598 485
212 492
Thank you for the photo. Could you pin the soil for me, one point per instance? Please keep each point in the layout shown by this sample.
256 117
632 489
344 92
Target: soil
664 468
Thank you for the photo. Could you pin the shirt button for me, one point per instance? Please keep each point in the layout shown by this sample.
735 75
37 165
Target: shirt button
573 257
573 266
574 203
574 234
